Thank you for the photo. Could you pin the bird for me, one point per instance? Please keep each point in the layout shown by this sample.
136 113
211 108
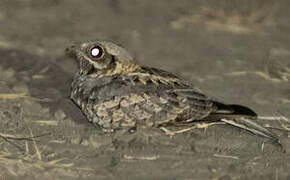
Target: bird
115 92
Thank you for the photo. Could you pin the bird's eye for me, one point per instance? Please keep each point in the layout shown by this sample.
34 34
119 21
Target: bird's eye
96 52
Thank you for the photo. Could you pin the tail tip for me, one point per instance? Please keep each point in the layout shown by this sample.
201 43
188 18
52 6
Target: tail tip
243 110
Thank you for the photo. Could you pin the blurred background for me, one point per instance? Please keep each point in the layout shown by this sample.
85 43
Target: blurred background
236 51
199 39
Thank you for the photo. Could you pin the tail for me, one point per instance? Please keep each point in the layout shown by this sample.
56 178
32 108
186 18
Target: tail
242 117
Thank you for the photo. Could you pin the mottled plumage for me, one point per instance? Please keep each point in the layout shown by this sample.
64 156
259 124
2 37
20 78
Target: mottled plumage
114 93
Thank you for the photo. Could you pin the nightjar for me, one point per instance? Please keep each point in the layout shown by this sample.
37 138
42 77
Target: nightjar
114 92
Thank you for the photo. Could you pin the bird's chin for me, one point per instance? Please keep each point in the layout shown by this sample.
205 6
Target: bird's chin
87 70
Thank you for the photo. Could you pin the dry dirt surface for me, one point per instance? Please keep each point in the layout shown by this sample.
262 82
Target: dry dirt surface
236 51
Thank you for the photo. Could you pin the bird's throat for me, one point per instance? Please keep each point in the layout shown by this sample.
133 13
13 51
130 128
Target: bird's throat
120 68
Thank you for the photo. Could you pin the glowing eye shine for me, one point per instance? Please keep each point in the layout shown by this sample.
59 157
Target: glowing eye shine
96 52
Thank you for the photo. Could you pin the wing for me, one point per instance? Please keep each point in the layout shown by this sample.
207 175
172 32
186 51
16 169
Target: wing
143 100
193 105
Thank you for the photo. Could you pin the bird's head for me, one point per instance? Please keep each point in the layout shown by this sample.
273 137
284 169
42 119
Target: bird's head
99 56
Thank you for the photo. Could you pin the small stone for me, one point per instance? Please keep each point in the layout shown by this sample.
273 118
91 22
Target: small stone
59 115
85 142
76 140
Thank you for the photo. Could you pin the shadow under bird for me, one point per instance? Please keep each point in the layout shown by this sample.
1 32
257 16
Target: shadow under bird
116 93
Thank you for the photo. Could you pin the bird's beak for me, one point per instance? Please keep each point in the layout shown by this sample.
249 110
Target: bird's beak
71 51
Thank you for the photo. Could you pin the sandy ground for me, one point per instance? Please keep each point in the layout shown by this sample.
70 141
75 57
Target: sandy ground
236 51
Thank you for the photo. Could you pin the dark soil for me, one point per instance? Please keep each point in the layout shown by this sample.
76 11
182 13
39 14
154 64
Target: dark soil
236 51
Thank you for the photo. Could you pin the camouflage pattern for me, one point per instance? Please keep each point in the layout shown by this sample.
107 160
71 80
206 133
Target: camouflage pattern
115 93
